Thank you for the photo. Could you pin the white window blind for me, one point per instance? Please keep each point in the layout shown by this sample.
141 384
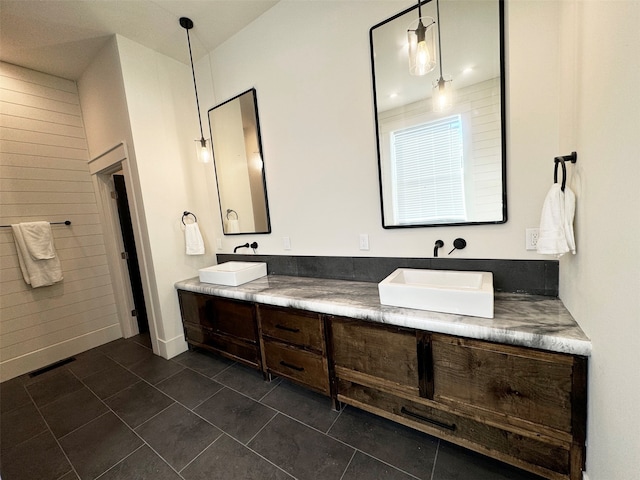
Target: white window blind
428 172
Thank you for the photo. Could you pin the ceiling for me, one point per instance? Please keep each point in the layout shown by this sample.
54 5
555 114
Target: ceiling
61 37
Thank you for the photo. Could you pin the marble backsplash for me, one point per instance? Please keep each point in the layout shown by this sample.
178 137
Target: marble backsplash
536 277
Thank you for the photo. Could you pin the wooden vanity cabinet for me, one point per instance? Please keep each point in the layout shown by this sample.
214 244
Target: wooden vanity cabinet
294 346
221 325
519 405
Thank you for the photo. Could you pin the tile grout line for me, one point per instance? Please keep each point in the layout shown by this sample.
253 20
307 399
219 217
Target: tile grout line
144 442
344 472
73 468
200 454
260 455
435 459
261 429
119 462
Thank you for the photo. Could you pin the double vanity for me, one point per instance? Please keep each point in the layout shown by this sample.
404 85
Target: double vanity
513 387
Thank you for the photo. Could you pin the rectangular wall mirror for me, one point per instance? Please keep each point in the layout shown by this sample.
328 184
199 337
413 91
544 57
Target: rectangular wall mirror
442 167
239 165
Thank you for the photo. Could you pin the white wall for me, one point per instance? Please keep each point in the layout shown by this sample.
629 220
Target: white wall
44 176
309 62
601 284
134 94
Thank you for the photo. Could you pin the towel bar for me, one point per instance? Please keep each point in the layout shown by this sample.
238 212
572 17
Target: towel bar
573 158
66 222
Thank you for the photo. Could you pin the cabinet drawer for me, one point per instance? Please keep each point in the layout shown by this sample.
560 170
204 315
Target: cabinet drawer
513 381
240 351
293 326
299 365
550 459
383 352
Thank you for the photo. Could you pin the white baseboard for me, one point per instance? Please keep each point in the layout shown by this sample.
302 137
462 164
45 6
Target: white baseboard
585 476
173 347
31 361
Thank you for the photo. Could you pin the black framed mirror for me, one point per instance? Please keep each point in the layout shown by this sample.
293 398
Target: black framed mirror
239 165
442 167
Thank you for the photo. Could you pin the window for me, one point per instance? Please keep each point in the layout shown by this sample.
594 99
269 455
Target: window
428 172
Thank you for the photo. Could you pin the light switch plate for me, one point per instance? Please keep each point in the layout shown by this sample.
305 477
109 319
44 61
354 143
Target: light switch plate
364 241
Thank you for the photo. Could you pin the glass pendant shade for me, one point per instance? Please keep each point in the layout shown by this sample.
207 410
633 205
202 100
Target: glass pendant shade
202 148
422 46
442 94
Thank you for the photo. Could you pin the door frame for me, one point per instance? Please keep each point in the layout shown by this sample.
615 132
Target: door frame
101 168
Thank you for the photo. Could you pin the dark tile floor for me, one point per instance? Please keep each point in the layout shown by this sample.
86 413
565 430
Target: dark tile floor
118 412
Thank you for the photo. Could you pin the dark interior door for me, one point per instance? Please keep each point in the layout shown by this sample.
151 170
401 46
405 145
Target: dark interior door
131 254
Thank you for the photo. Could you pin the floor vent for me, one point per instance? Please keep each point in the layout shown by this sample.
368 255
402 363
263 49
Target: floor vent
53 366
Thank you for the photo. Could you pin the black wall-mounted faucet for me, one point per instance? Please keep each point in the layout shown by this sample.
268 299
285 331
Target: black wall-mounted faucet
246 245
439 244
254 245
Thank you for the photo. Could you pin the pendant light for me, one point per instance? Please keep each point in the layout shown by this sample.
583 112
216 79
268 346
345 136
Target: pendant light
422 52
202 146
442 96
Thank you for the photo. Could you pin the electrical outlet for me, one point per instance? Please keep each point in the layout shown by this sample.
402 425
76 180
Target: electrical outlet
532 235
364 241
218 243
286 243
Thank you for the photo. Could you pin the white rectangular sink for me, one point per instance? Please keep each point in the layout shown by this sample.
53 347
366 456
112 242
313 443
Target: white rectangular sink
447 291
233 273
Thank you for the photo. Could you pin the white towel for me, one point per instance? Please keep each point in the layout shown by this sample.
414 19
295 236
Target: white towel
232 226
193 239
36 272
39 240
556 222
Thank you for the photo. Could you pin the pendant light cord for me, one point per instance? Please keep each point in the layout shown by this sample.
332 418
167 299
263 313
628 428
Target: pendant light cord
439 43
195 87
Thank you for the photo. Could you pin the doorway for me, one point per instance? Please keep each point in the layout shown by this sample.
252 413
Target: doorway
130 253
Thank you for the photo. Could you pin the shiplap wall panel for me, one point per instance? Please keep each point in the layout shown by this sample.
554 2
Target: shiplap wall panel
35 172
8 160
21 322
42 150
37 114
10 71
24 185
44 175
15 122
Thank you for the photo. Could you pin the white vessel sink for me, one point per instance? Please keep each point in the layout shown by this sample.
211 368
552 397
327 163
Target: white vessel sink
447 291
233 273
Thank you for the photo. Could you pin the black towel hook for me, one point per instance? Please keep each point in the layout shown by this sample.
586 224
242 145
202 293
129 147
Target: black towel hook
573 158
186 214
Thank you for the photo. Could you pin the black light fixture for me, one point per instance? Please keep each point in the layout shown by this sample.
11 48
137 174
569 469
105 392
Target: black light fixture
203 147
422 54
442 96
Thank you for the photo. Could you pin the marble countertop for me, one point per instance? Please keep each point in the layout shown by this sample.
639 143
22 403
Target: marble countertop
526 320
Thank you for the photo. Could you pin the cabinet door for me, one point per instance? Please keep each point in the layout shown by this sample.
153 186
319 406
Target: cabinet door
234 318
380 356
220 315
514 382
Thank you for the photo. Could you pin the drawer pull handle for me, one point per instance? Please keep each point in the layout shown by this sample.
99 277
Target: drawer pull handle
417 416
288 365
288 329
